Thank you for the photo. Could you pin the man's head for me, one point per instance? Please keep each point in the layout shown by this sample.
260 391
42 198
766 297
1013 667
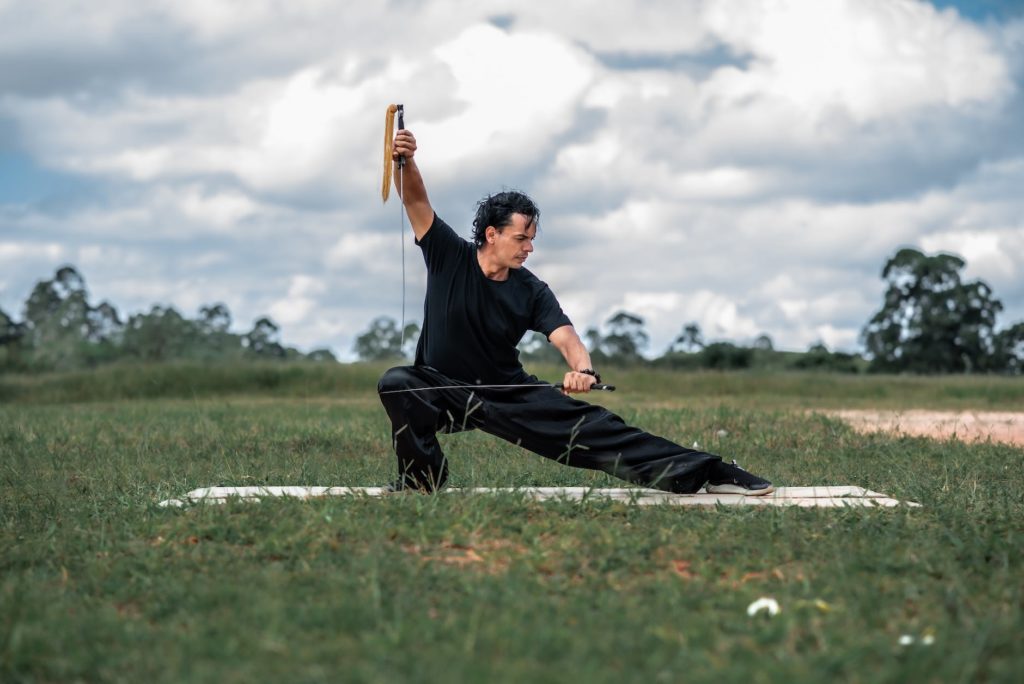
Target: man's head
496 211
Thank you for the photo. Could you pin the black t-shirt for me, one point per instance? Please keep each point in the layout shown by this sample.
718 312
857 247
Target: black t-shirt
472 324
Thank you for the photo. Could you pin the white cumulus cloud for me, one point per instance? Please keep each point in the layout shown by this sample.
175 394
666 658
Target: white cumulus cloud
746 165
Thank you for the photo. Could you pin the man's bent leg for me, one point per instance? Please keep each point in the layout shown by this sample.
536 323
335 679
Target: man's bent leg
414 418
417 417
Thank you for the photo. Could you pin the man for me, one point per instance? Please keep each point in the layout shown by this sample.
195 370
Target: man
480 302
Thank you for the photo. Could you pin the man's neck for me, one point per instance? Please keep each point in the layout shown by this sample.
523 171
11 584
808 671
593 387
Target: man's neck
492 271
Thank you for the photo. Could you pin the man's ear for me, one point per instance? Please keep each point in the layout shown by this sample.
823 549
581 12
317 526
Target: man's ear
491 234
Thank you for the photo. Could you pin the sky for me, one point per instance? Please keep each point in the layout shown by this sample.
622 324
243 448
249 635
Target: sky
747 165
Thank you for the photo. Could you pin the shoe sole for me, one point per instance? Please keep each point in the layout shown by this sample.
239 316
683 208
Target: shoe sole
736 489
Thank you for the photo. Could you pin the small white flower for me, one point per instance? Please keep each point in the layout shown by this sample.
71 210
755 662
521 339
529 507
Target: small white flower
696 446
721 434
763 603
906 640
928 639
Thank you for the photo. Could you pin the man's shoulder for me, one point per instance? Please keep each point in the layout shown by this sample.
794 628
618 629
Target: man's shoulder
527 278
442 247
440 230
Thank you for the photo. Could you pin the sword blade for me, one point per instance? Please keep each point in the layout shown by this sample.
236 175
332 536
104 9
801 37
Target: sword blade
538 385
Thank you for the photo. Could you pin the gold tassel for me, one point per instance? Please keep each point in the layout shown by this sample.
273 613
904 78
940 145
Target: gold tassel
389 131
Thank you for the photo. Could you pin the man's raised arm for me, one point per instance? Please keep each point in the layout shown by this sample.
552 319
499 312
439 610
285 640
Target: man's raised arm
409 184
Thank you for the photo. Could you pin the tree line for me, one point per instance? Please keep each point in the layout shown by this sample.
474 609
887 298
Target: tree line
931 321
62 330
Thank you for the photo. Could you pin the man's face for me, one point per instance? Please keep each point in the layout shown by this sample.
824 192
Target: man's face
513 243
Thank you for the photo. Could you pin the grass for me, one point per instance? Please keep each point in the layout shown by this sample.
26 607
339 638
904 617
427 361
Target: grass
635 386
98 583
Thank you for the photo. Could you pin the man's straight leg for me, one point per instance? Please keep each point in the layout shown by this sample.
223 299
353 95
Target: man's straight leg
584 435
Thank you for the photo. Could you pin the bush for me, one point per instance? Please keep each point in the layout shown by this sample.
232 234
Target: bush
818 357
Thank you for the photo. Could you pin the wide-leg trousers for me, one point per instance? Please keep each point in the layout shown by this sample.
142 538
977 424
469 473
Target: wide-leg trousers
540 419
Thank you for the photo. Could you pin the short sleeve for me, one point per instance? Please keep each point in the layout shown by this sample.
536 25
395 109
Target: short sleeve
547 312
440 244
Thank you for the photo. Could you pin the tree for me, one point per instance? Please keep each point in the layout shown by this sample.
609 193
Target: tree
42 304
55 307
213 338
931 321
536 348
626 338
214 318
62 330
725 356
264 339
103 324
103 334
11 334
48 295
383 341
764 343
162 334
1010 349
819 358
689 341
592 341
10 330
321 355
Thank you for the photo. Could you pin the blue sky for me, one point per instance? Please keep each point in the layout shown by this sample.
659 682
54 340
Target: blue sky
982 10
743 164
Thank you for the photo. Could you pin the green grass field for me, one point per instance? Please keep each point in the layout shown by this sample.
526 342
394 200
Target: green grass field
99 584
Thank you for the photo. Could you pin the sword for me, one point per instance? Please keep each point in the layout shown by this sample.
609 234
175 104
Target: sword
538 385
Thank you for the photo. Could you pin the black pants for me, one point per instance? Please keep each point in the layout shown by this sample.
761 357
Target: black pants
540 419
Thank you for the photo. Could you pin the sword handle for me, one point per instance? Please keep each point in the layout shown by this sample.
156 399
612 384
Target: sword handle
598 386
401 126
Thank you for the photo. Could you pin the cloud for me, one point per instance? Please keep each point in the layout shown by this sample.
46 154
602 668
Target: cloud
666 313
749 166
872 59
641 28
14 252
516 93
300 301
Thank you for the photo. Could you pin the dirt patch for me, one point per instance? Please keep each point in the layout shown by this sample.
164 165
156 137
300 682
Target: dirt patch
968 426
491 556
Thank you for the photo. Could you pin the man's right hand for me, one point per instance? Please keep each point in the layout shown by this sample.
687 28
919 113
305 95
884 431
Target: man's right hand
404 145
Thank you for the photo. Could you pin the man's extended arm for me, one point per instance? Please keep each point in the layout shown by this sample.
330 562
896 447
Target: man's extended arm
409 184
569 344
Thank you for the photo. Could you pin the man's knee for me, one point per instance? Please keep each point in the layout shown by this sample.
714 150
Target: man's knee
398 378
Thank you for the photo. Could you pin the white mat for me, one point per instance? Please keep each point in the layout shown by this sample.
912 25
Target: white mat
806 497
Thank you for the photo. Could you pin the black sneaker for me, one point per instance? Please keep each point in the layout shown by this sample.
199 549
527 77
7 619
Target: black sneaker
729 478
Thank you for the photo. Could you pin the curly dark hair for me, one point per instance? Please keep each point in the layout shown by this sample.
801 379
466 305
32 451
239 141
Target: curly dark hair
497 210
